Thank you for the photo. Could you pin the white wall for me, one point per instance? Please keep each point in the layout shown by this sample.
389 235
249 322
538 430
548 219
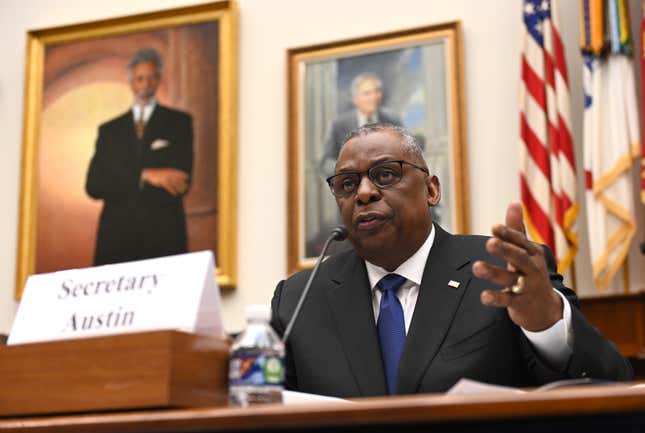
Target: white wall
267 29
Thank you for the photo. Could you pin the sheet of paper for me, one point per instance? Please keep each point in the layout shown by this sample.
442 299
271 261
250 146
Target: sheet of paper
467 386
294 397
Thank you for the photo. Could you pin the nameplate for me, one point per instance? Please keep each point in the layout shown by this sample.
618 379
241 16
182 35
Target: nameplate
169 293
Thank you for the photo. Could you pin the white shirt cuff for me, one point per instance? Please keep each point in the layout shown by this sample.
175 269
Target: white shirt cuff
554 344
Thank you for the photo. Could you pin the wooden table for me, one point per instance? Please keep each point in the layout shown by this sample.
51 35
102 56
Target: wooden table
607 408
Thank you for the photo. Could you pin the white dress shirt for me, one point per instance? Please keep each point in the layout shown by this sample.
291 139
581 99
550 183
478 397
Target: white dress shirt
553 344
136 114
147 111
364 120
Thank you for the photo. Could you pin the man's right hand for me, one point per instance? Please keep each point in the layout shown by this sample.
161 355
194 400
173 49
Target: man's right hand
171 179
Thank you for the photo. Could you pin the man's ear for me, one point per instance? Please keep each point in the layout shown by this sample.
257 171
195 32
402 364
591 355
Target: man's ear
434 190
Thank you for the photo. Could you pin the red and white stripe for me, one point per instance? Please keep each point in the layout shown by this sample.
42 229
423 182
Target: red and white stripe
547 163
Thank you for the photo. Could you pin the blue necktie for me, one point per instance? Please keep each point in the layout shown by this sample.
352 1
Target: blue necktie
391 327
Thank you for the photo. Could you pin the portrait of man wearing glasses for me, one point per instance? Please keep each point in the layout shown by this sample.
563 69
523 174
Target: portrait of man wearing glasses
412 308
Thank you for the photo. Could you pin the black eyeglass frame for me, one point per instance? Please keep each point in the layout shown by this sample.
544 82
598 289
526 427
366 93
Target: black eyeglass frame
369 176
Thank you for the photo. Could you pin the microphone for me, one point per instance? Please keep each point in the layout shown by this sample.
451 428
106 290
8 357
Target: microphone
337 234
643 248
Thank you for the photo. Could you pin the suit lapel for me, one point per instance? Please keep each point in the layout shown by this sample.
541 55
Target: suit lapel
434 310
129 134
350 301
152 124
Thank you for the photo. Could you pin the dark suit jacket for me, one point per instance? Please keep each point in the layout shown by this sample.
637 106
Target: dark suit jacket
139 221
340 128
334 347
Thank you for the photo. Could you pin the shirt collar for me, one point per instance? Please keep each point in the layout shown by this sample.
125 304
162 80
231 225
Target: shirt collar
364 120
147 110
412 269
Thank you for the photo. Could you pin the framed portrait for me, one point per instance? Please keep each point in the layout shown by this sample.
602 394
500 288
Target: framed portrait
411 78
129 141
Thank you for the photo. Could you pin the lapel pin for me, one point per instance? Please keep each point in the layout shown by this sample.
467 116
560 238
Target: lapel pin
454 284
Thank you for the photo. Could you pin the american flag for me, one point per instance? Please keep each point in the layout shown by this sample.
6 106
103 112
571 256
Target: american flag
547 163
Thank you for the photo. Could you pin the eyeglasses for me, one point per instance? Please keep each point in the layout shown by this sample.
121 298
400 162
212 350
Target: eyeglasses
383 175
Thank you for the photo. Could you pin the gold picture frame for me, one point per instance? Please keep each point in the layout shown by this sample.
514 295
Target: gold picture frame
419 74
106 46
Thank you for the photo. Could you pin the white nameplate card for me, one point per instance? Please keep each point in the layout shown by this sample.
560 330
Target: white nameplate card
168 293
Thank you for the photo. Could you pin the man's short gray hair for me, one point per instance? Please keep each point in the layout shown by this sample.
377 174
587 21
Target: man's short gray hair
409 142
145 55
365 76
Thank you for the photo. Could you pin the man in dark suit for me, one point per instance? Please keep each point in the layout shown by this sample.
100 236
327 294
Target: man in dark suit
413 308
141 170
367 95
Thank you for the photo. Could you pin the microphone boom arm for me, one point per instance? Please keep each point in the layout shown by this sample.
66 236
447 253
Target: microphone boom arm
338 234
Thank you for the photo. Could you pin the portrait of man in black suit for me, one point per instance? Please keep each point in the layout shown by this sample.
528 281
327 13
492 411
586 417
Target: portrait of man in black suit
141 170
402 86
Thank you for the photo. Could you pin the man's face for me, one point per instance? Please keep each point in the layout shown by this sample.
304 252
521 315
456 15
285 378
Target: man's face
386 226
368 98
144 81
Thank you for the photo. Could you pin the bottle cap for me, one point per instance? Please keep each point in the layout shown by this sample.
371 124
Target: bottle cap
258 312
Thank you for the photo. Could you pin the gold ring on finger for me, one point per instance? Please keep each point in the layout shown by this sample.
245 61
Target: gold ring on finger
518 287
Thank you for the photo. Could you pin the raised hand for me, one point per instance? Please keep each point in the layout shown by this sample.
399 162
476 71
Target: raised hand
528 294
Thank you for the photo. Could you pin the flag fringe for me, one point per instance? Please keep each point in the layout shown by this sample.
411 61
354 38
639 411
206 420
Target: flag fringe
605 180
569 219
534 234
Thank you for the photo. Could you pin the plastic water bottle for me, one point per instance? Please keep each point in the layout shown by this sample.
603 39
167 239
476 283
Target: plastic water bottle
256 368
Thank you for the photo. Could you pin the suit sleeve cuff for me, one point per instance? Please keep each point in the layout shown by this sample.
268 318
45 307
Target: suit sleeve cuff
554 344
